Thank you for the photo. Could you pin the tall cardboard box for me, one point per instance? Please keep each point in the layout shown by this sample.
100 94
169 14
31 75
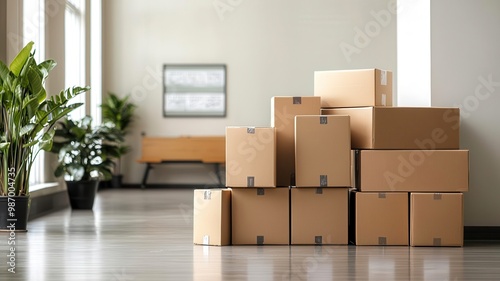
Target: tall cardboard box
319 216
284 110
413 170
250 157
381 218
260 216
436 219
402 127
351 88
322 151
212 217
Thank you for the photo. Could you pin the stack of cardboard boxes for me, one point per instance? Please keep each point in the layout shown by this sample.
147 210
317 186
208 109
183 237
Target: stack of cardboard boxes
289 183
410 172
313 156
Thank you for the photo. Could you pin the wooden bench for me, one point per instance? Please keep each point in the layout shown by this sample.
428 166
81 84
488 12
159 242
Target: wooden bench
162 150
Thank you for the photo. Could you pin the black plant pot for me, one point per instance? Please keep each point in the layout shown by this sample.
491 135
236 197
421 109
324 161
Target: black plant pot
16 218
82 194
116 181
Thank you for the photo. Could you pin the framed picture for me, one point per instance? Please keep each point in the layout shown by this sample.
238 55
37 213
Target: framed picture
194 90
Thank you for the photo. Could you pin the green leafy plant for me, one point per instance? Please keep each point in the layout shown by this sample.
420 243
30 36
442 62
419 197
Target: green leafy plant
84 152
27 118
119 112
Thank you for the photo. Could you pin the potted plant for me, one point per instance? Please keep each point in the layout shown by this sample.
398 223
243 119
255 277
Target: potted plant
27 119
85 155
118 112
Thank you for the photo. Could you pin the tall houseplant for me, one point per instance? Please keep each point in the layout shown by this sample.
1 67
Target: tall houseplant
85 155
27 119
119 113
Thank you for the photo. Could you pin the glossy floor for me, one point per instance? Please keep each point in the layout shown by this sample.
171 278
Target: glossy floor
147 235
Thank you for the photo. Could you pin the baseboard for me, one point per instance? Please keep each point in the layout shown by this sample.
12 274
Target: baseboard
183 185
482 233
48 203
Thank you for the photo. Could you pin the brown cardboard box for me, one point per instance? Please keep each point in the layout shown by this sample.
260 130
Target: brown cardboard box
212 217
322 151
351 88
381 218
413 170
436 219
319 216
250 157
284 110
402 127
260 216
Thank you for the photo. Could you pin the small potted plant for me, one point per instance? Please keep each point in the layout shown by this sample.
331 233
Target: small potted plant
85 155
118 112
27 119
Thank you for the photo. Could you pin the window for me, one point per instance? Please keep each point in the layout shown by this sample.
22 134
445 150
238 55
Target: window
34 30
96 60
75 51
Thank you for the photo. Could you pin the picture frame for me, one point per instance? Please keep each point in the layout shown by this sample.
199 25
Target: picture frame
194 90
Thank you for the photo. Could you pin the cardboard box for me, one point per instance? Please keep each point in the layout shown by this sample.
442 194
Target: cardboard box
284 110
402 127
413 170
319 216
250 157
212 217
351 88
436 219
380 218
322 151
261 216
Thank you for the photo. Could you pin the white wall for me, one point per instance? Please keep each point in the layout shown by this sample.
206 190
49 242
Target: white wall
465 46
271 48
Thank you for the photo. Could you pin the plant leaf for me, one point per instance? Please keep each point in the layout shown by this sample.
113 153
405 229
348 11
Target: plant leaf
4 72
4 146
27 129
47 140
19 61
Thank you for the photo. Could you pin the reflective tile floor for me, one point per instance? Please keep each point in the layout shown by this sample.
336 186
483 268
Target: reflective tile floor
147 235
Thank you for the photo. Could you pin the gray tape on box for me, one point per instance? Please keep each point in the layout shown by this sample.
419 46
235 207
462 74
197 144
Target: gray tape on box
436 242
383 77
323 180
260 240
297 100
251 130
382 195
250 181
437 196
323 120
260 191
207 195
382 240
319 190
318 239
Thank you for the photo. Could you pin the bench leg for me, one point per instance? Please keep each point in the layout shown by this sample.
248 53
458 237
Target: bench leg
145 177
217 172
